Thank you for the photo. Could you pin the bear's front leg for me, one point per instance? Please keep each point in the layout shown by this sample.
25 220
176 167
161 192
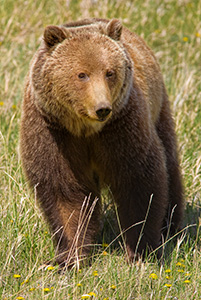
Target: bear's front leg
80 222
73 220
142 201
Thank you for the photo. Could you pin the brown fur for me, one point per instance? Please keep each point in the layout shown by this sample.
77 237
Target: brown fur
69 151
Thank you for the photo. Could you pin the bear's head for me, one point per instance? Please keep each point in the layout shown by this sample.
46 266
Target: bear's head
81 76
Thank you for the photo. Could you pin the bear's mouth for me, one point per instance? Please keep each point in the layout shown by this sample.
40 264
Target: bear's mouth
99 119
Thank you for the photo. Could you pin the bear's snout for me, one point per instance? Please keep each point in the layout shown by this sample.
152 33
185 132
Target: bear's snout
103 111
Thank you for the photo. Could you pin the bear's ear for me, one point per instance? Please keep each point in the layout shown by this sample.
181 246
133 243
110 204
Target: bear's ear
54 35
114 29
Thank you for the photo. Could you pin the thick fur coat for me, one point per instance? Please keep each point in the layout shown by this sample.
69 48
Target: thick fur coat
96 113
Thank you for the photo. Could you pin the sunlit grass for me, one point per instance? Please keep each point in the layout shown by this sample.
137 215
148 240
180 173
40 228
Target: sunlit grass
173 30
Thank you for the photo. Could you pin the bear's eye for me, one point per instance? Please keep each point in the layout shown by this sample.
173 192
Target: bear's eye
110 74
82 76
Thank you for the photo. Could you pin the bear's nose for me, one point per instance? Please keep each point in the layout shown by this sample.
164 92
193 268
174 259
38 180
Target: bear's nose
103 112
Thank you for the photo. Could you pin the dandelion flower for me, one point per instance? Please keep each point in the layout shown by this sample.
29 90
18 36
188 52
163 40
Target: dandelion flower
168 285
198 34
46 290
153 276
105 253
20 298
49 268
180 271
32 289
185 39
106 298
79 284
167 271
95 273
23 282
178 264
1 103
16 275
187 281
85 296
92 294
105 245
168 277
113 286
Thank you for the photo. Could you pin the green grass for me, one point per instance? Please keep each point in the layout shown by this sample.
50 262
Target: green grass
173 30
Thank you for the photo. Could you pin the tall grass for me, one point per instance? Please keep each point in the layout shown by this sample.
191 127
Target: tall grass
173 30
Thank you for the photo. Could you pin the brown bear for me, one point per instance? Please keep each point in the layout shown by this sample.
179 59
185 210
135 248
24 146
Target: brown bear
96 113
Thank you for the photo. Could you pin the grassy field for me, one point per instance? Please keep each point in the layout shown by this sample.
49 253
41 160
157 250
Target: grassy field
173 30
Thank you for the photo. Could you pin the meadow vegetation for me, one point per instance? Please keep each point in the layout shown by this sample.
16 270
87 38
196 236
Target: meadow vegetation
173 30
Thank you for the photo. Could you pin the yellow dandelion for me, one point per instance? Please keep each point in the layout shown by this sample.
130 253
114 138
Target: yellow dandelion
46 290
180 271
187 281
188 274
178 264
95 273
80 270
1 103
105 245
32 289
20 298
198 34
50 268
79 284
105 253
167 271
23 282
16 275
92 294
14 106
168 277
185 39
113 286
153 276
85 296
106 298
168 285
